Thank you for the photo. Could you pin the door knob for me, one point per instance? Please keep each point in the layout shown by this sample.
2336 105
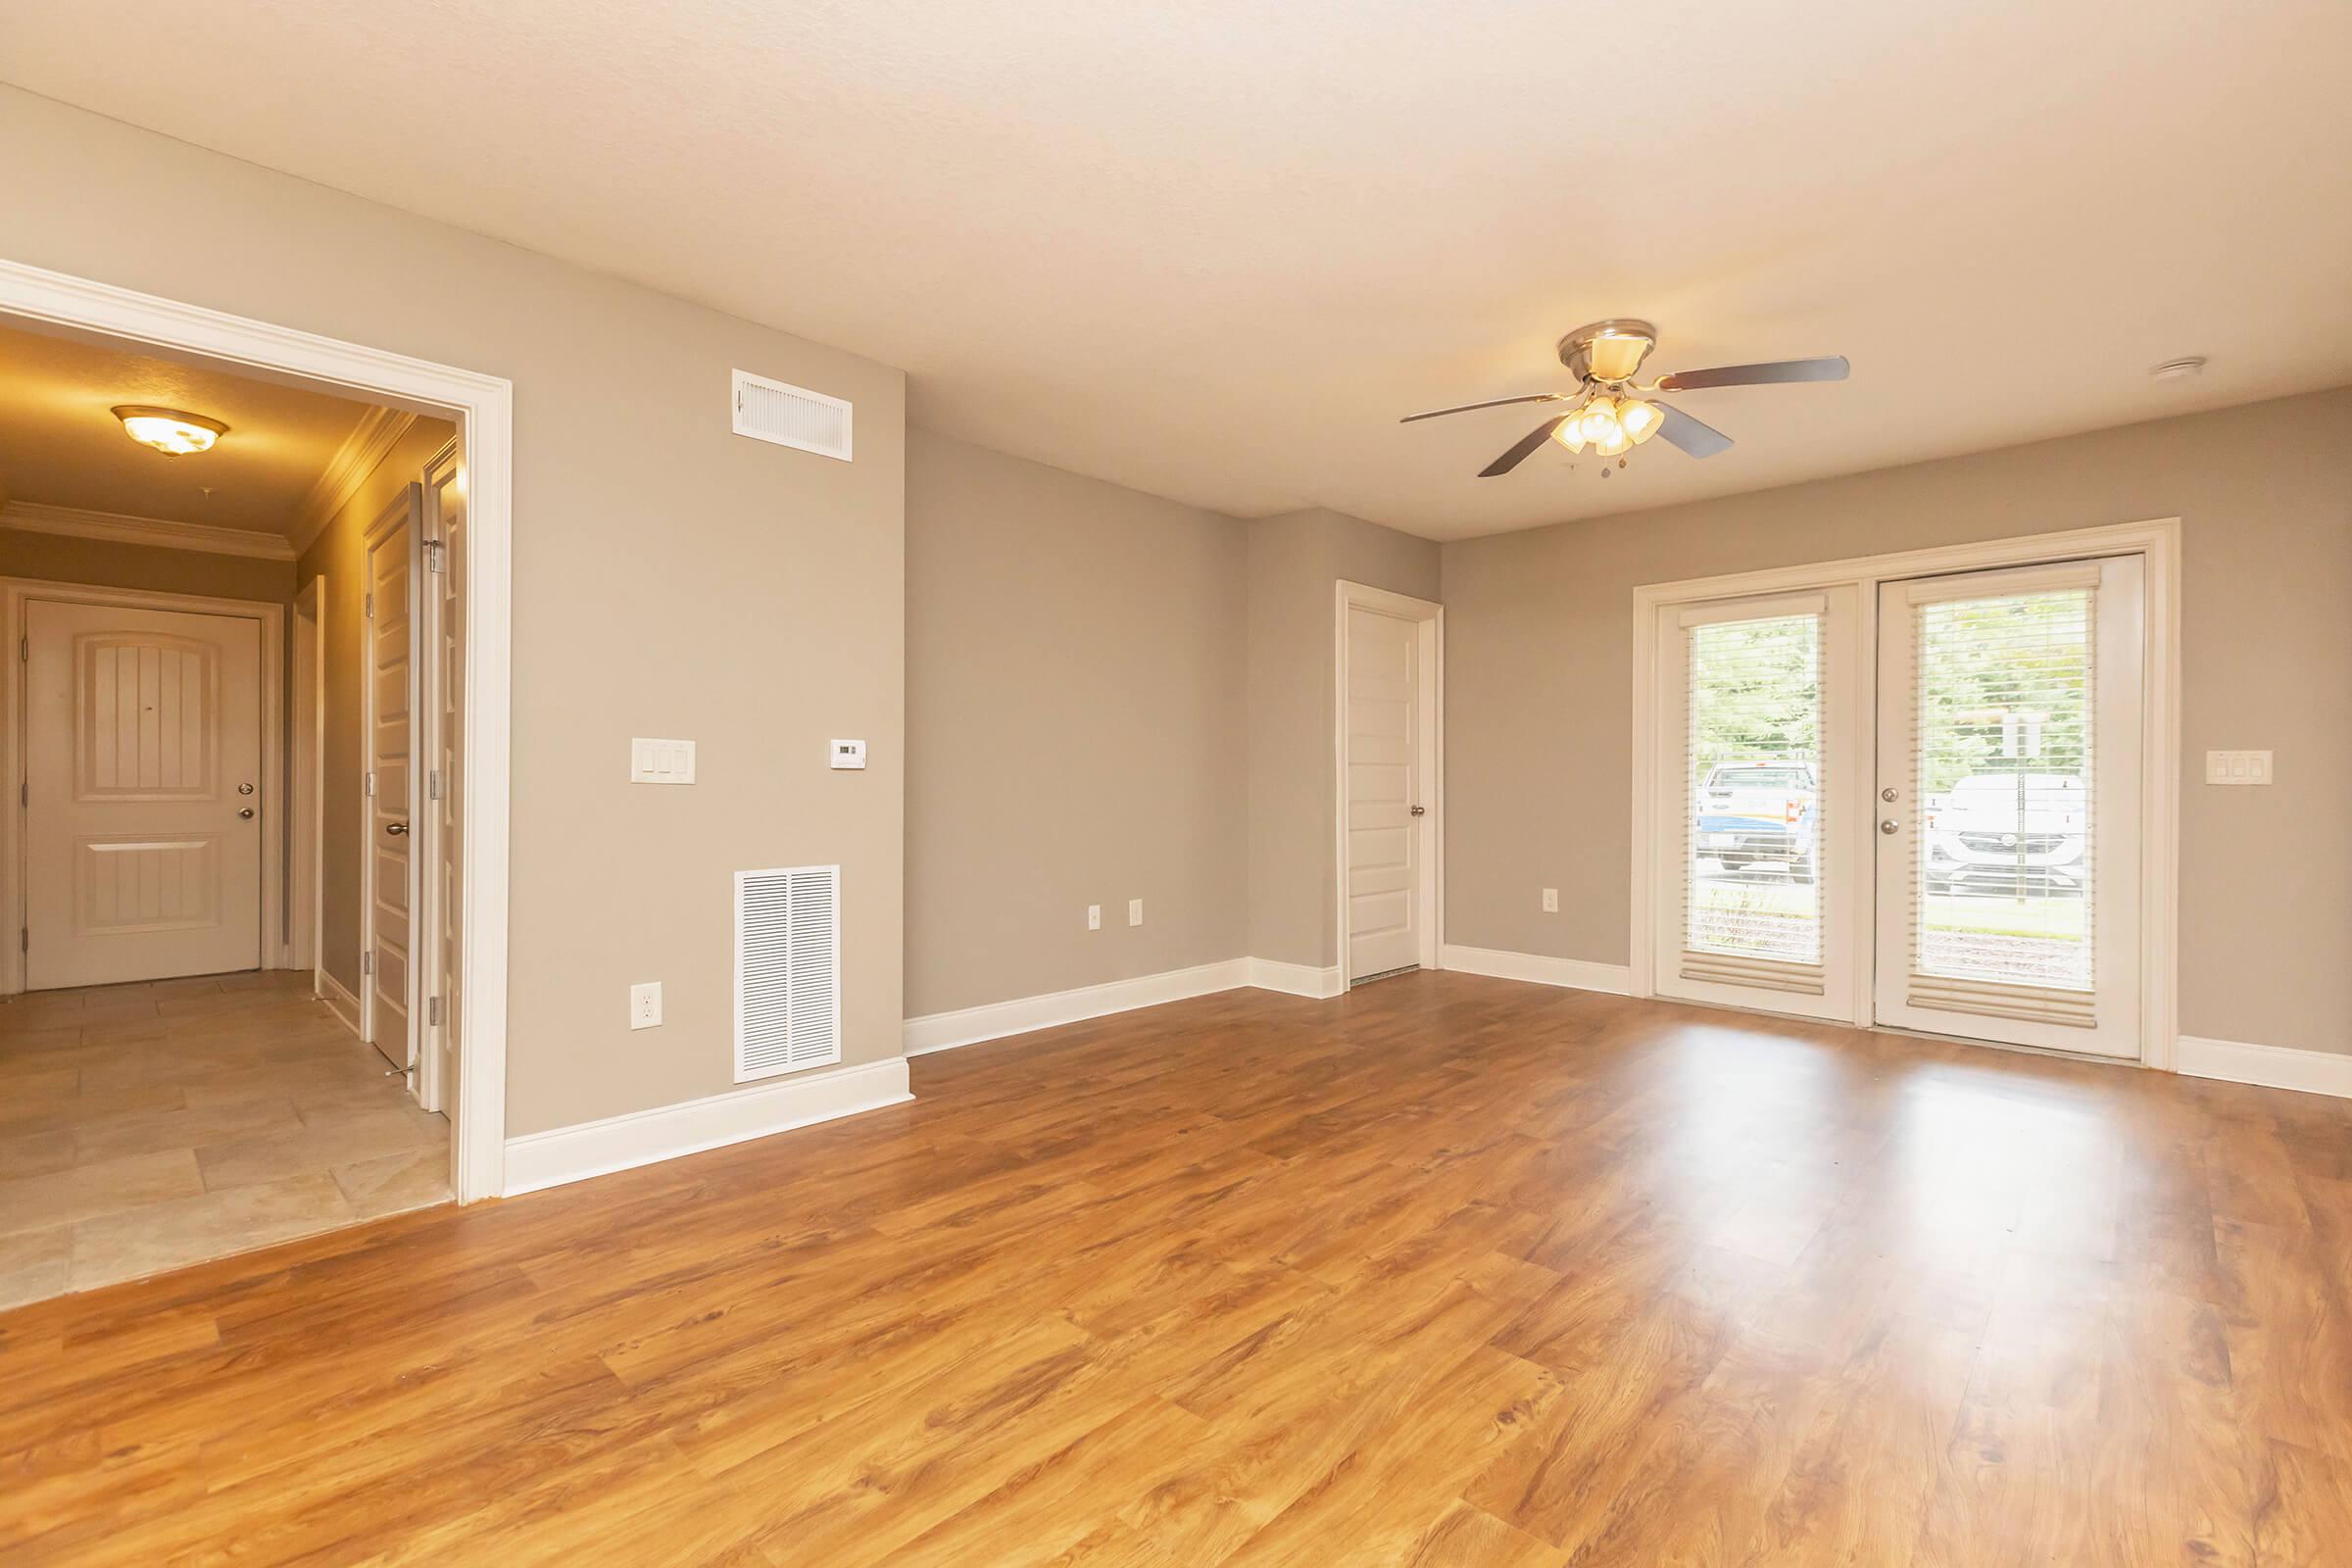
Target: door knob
1420 810
1890 825
398 830
247 812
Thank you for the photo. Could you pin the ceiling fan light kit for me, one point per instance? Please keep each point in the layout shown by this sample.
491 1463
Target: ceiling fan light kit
1611 414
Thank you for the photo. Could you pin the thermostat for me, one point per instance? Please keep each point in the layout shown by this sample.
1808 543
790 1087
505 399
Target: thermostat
848 753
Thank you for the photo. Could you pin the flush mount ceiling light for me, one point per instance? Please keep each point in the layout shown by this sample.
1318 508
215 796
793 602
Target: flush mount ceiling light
2180 370
171 431
1609 414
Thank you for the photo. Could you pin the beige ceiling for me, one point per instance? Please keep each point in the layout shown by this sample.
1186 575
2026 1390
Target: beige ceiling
1213 250
62 445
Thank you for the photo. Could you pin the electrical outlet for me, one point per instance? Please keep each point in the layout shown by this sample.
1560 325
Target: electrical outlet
644 1005
1135 912
1094 918
1551 901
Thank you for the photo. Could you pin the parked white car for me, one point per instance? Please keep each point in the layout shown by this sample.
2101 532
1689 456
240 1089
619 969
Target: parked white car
2009 830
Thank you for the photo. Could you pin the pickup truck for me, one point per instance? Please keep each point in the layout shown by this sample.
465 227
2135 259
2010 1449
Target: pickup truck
1999 831
1758 814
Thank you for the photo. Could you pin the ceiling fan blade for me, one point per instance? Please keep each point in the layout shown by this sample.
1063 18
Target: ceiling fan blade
1527 445
1694 437
1831 368
1491 403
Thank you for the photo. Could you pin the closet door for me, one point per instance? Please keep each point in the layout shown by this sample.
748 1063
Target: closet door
1754 896
2008 804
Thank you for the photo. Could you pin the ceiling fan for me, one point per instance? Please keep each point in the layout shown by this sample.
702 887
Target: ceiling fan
1610 414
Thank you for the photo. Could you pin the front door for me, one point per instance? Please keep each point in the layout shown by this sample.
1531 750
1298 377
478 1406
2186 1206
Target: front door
144 795
2007 810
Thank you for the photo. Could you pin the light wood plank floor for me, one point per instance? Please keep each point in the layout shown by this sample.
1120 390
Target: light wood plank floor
146 1127
1451 1271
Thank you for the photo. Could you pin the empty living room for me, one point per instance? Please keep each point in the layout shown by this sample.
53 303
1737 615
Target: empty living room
1494 786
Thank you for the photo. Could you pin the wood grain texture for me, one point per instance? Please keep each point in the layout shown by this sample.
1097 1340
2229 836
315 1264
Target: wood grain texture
1450 1271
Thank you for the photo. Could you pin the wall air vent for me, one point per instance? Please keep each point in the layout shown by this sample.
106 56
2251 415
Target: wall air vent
791 417
787 971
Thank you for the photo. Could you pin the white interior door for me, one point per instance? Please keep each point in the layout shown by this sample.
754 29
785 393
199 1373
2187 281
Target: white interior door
443 850
387 1004
143 793
2009 804
1386 712
1755 899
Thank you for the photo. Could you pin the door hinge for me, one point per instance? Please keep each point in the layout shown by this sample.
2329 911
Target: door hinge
369 788
24 939
432 555
25 650
432 785
366 963
432 1010
372 606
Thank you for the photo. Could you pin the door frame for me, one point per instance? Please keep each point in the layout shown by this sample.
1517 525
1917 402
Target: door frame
1430 677
16 758
306 857
2157 540
482 408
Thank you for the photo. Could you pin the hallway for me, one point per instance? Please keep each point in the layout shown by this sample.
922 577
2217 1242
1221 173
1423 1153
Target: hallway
145 1127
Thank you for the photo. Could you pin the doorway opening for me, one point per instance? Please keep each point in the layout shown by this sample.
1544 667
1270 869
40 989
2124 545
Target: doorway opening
235 734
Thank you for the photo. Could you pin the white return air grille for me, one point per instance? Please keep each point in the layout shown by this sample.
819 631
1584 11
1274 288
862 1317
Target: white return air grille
787 971
791 417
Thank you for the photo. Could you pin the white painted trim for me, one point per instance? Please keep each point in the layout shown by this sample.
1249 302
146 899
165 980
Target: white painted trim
1577 974
2157 540
483 407
339 1000
641 1137
159 533
305 848
966 1026
16 764
1296 979
2311 1072
1430 675
371 441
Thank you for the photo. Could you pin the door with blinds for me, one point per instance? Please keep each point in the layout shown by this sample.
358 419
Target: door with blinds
1754 896
2007 813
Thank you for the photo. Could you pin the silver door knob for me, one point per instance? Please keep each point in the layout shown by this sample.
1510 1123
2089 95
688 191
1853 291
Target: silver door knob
398 830
1889 793
1420 810
248 812
1890 825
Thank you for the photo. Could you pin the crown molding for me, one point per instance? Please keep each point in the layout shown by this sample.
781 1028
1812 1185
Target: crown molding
369 442
161 533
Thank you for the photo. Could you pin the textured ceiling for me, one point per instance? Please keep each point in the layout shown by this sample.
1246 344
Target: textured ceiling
62 445
1214 250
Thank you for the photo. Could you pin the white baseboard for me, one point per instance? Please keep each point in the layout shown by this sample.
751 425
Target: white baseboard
1574 973
969 1026
642 1137
341 1002
1294 979
2314 1072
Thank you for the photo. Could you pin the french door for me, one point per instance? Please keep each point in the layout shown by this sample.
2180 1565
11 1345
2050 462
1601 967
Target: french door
2008 805
1927 815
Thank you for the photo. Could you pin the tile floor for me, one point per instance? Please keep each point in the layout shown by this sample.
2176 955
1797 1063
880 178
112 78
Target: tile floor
145 1127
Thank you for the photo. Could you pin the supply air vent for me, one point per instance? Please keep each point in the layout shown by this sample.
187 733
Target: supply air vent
791 417
787 971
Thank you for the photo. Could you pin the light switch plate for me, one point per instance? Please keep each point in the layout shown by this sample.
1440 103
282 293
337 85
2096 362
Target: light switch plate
661 761
2237 768
846 753
1135 912
1094 918
644 1005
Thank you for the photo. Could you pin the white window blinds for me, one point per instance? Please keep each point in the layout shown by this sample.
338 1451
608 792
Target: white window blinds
1755 768
2001 767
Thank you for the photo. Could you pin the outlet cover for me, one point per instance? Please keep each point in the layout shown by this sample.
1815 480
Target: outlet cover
1551 901
644 1005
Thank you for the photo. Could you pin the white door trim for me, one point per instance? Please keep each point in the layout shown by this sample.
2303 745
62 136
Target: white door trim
482 405
307 779
2157 540
1430 670
15 840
